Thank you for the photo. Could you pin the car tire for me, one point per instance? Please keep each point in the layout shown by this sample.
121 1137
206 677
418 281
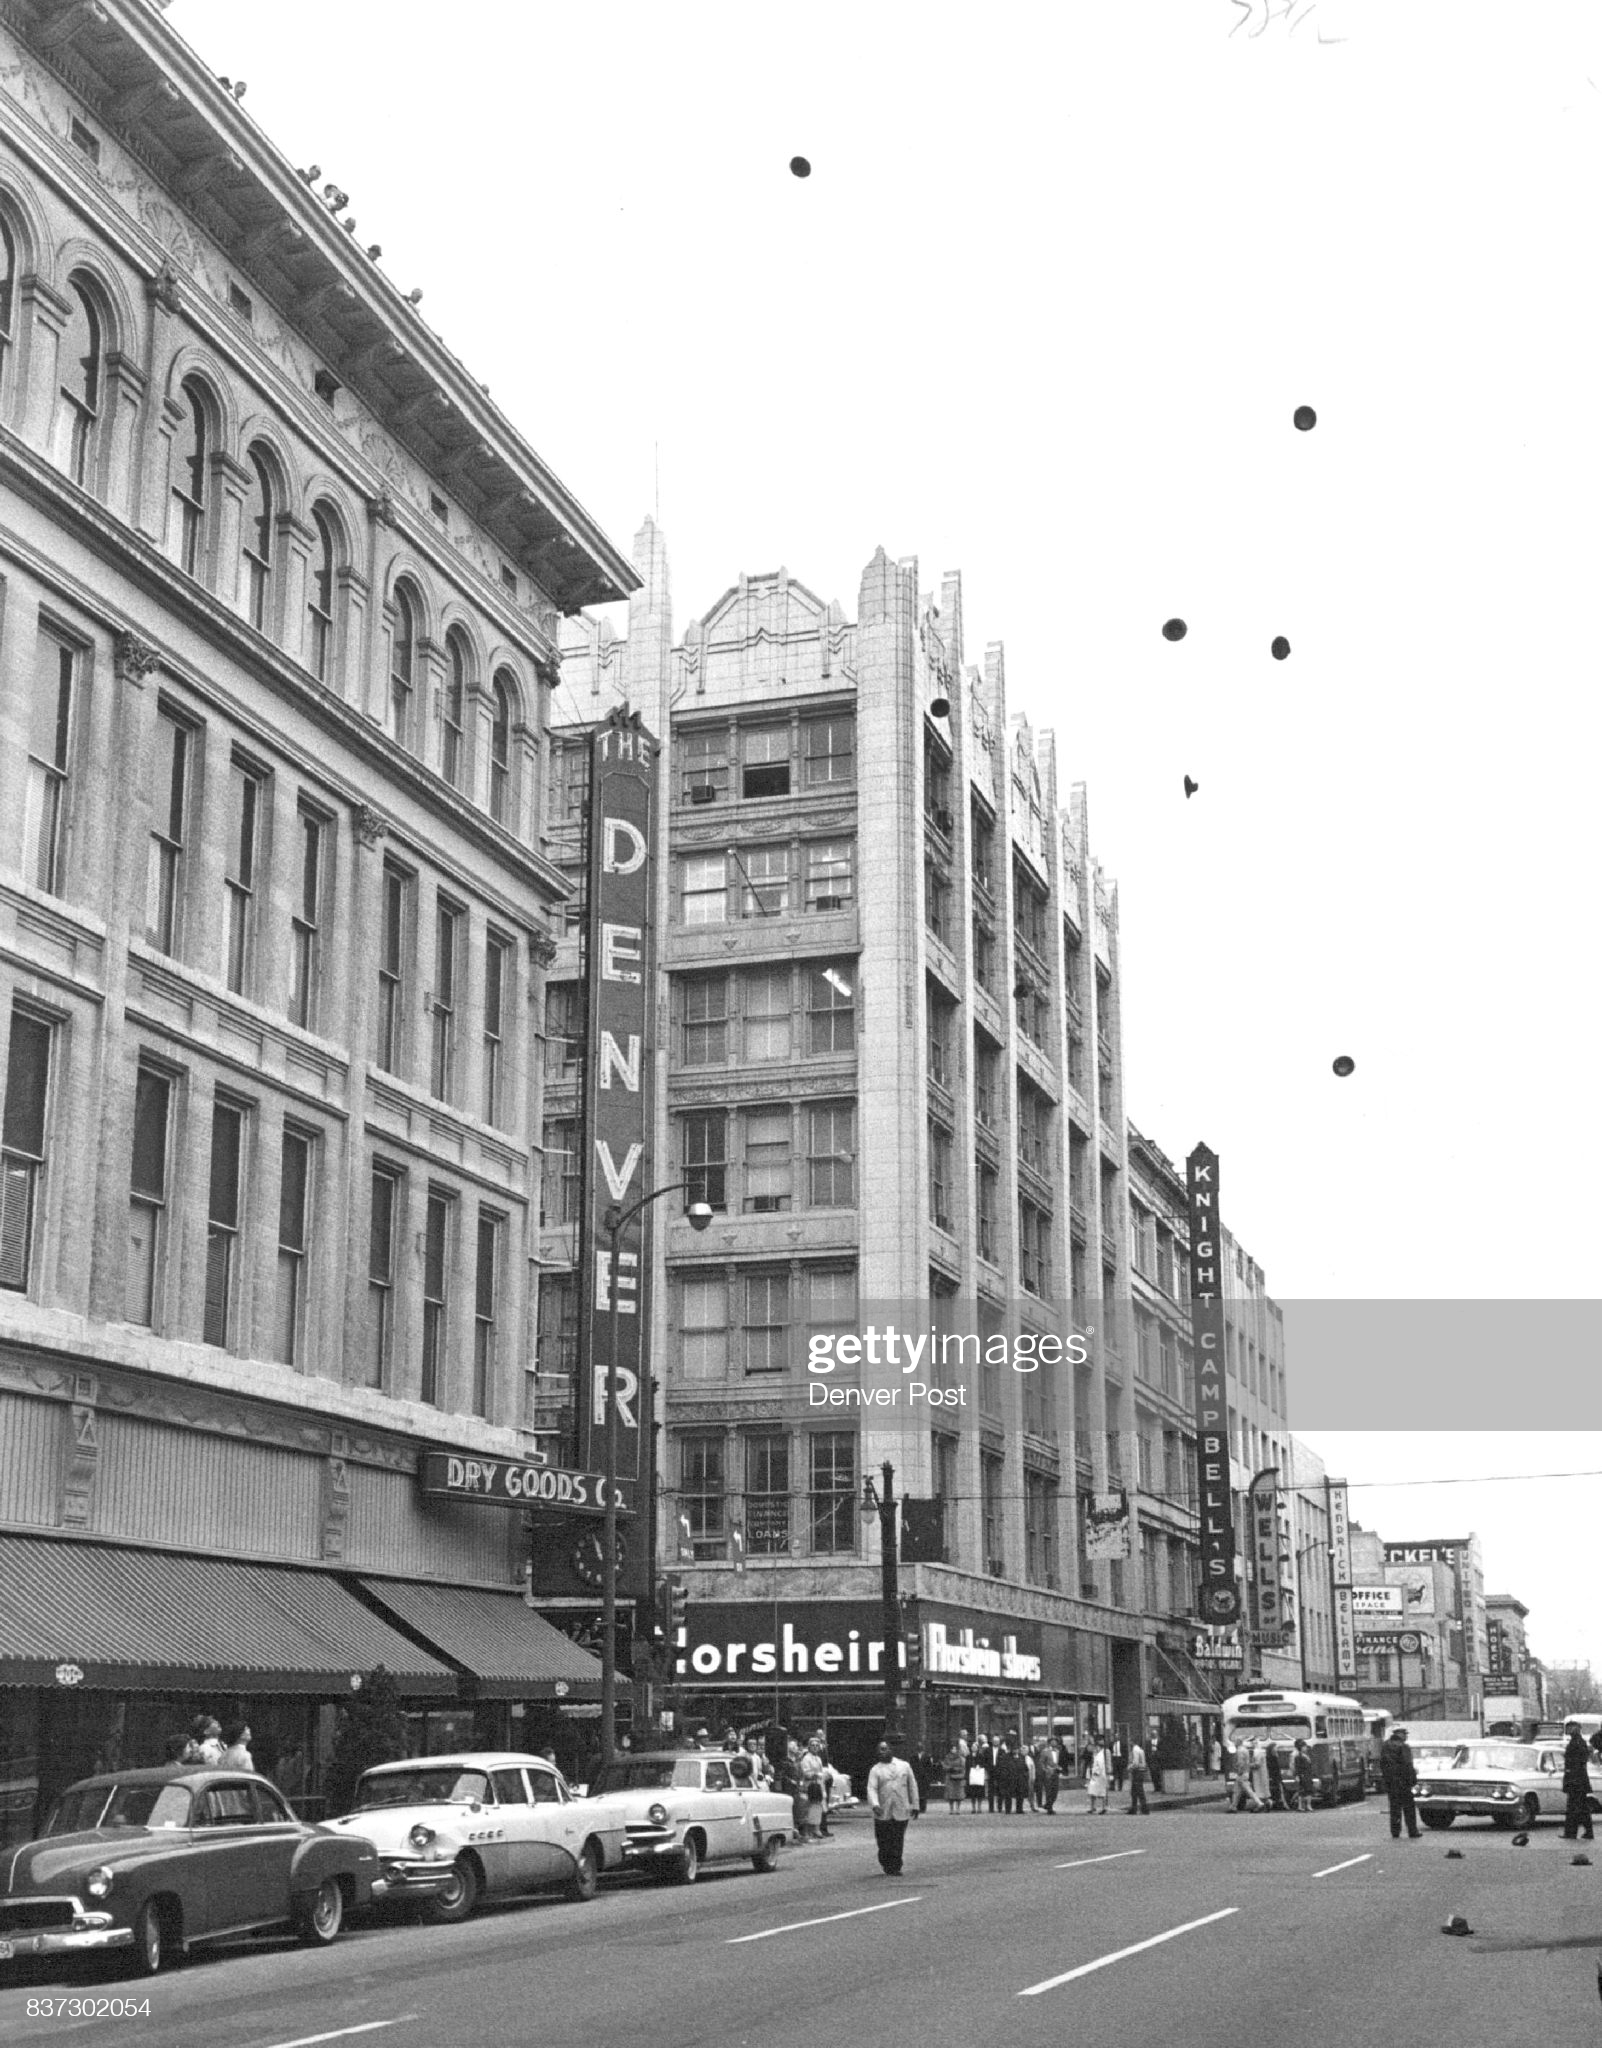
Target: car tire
767 1857
1437 1820
687 1864
460 1896
152 1946
586 1877
1529 1810
319 1918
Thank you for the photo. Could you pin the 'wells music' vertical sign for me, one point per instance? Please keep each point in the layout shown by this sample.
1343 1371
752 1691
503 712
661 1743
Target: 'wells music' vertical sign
617 1074
1219 1595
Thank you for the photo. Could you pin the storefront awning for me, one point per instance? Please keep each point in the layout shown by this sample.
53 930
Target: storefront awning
512 1652
1179 1685
92 1614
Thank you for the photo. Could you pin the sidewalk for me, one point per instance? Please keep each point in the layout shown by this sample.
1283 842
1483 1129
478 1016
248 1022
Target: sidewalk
1071 1804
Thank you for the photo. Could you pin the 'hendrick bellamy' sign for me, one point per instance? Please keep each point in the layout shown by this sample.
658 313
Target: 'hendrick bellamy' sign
1219 1596
617 1068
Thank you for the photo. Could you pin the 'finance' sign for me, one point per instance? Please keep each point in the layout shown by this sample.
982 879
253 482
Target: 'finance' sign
1219 1599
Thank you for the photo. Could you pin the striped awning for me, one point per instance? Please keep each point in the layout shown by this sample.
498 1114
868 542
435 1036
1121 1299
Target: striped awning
99 1615
511 1652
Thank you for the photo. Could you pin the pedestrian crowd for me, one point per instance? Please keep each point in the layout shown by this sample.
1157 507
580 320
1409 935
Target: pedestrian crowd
1263 1780
1010 1776
802 1772
208 1741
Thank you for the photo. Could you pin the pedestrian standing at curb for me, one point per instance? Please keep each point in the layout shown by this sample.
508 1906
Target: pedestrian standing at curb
893 1799
1099 1781
1137 1778
1120 1760
1302 1775
1048 1775
956 1776
1576 1786
1276 1777
1398 1775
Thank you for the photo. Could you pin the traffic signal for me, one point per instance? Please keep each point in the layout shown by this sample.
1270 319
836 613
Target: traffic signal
659 1614
678 1605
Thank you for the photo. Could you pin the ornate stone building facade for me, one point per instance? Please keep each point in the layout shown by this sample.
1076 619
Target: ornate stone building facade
281 590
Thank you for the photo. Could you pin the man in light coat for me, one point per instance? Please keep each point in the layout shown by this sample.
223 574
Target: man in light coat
893 1801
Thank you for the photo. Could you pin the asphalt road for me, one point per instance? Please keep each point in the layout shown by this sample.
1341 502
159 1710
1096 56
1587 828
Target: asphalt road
1190 1929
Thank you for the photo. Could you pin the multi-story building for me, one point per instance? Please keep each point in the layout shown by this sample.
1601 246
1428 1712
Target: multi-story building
890 1060
1513 1696
281 596
1159 1230
1420 1611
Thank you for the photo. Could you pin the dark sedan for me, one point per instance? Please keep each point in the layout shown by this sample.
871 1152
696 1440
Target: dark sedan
160 1860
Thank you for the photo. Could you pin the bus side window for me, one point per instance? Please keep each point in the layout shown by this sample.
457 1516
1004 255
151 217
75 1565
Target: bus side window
1321 1729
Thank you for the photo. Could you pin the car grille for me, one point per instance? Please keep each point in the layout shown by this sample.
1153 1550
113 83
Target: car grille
17 1914
1471 1789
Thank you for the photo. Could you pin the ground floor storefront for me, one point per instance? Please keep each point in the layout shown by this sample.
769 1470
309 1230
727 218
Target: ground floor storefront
809 1665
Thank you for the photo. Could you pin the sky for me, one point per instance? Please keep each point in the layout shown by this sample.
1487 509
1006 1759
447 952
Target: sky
1042 313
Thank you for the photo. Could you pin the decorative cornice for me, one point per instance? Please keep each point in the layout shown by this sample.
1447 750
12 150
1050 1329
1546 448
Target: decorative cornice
370 825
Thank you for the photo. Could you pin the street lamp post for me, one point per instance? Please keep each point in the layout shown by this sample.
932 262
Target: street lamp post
615 1222
885 1506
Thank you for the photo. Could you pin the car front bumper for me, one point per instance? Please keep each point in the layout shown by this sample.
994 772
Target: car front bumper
644 1845
1474 1805
88 1931
410 1878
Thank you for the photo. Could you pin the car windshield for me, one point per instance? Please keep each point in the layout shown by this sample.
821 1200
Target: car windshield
120 1806
1502 1756
638 1774
424 1785
1286 1730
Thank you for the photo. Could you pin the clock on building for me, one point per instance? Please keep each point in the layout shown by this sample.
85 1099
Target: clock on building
589 1556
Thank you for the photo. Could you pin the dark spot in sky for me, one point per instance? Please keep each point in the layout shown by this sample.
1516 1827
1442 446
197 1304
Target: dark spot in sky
1345 1065
1174 629
1304 419
1191 787
800 168
1279 648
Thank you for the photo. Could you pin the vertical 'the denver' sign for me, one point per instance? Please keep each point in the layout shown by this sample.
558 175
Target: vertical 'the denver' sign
617 1071
1219 1600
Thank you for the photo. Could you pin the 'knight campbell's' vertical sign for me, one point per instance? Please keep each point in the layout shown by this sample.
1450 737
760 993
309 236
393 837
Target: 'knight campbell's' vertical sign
617 1073
1219 1598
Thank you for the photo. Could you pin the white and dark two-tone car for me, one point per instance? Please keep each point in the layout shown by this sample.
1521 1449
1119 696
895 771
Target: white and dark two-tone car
1507 1783
682 1808
451 1830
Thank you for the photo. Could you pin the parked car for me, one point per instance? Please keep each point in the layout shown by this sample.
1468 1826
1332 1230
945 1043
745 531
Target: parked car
159 1860
1506 1782
682 1809
451 1830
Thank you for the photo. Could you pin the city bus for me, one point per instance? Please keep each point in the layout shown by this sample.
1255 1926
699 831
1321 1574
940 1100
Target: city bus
1332 1726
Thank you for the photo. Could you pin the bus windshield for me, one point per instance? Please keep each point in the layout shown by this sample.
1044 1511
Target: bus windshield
1282 1728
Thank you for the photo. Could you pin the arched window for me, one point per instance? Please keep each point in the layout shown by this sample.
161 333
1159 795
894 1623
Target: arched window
500 775
81 347
190 453
450 758
402 664
257 533
8 285
320 602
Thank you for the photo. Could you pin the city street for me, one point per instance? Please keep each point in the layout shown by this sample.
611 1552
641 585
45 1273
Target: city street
1192 1927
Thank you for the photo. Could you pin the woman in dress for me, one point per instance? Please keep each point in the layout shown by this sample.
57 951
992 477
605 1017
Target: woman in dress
1099 1782
956 1776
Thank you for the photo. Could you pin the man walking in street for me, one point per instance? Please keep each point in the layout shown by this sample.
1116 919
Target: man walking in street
893 1801
1137 1778
1398 1775
1576 1785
